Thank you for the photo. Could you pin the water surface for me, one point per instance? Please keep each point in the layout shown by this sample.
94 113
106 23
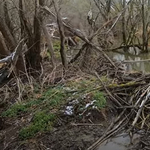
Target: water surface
143 66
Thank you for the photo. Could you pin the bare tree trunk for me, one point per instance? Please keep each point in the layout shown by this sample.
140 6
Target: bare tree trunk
6 30
21 15
33 56
108 7
124 24
145 49
3 47
10 40
7 17
50 45
8 36
62 38
26 28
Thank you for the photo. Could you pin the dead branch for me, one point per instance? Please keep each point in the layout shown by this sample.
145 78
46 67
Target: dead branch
78 54
12 59
125 46
79 34
141 107
136 61
112 97
62 37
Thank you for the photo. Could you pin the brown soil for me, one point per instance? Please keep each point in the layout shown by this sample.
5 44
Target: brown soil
69 133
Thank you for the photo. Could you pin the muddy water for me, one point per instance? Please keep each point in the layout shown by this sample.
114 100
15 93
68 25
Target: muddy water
120 142
133 56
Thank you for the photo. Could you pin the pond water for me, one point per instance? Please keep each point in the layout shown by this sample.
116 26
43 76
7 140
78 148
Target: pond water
120 142
143 66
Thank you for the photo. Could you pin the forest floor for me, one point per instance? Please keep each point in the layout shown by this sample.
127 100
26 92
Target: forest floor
68 112
69 115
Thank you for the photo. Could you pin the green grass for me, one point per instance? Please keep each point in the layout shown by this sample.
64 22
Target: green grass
86 85
54 97
51 98
100 99
42 121
14 110
83 83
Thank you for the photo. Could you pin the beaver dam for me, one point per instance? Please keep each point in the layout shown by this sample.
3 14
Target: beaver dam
101 109
74 75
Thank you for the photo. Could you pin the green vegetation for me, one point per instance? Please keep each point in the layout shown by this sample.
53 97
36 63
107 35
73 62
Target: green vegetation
42 121
100 99
52 97
44 106
56 45
15 110
83 83
85 93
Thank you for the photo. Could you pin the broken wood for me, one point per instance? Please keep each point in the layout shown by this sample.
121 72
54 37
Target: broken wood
79 34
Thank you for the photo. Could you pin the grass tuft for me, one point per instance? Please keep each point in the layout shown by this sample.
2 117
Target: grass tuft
100 99
42 121
15 110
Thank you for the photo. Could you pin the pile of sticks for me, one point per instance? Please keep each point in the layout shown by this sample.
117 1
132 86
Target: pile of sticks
131 98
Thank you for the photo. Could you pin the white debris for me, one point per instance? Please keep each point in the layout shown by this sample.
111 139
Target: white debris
74 102
69 110
90 104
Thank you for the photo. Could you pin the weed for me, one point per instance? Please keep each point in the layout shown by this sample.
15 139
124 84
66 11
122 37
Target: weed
106 80
54 97
87 83
56 45
33 102
42 121
15 110
100 99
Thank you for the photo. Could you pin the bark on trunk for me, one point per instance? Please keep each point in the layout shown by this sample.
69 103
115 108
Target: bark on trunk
3 48
62 37
50 45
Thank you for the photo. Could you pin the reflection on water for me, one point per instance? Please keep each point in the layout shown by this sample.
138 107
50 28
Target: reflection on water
120 142
135 66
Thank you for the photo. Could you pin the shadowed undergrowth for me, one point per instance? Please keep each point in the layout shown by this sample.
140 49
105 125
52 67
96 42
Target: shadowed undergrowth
45 107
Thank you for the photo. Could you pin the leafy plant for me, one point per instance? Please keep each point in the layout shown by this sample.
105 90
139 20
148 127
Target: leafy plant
15 110
100 99
42 121
54 97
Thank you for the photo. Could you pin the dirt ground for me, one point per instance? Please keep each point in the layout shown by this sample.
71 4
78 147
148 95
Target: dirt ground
69 133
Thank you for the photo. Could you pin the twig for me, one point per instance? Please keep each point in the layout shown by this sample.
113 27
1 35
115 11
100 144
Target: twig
140 108
107 135
85 124
107 90
135 61
79 34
